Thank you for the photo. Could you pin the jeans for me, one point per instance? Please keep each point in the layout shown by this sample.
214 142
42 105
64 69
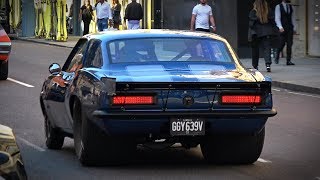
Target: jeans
133 24
102 24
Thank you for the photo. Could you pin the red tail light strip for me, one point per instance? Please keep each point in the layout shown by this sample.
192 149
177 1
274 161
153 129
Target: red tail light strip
241 99
132 100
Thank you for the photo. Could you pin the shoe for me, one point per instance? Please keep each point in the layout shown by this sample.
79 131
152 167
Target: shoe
289 63
276 61
256 68
268 69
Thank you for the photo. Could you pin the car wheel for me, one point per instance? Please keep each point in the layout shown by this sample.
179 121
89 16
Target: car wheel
4 70
92 146
54 137
231 149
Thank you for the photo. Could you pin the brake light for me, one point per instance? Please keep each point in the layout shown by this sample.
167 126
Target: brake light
241 99
133 100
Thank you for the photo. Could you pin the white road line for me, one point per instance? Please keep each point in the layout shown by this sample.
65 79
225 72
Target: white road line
276 90
31 145
263 160
21 83
302 94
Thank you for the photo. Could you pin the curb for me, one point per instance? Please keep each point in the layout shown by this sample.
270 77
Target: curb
40 42
296 87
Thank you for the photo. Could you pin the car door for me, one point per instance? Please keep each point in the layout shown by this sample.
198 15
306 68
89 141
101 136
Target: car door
60 83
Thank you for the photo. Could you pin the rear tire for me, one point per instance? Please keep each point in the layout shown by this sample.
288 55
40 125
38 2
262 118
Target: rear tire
94 147
4 66
232 149
54 137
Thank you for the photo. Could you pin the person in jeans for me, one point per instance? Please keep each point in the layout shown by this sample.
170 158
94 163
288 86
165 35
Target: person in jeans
262 27
133 13
104 14
285 23
201 15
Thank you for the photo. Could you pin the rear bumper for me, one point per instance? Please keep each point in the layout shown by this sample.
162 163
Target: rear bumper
169 114
158 123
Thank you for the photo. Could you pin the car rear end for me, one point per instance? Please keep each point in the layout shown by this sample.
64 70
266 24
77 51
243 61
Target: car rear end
190 90
180 86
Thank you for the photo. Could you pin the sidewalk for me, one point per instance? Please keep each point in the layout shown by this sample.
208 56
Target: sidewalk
303 77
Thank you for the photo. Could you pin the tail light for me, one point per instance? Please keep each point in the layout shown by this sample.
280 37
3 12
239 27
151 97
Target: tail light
241 99
133 100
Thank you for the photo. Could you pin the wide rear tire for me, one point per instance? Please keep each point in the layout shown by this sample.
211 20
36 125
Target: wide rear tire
94 147
233 149
4 66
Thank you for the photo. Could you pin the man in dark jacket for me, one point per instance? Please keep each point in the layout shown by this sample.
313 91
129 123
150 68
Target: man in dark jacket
285 23
133 14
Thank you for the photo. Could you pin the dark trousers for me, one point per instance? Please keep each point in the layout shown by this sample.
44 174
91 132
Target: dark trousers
86 24
285 38
265 43
203 30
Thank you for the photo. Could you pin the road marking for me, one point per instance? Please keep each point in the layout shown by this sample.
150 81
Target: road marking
276 90
31 145
302 94
263 160
21 83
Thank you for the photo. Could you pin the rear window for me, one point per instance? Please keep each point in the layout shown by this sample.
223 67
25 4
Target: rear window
168 50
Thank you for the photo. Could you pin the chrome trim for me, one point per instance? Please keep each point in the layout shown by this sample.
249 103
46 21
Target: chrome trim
5 43
4 52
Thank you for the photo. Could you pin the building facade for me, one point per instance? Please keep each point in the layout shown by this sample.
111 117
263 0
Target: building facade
231 19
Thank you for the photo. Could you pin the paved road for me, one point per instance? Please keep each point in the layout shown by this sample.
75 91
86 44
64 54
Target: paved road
291 148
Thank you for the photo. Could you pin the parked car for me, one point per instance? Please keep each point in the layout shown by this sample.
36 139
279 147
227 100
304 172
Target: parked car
5 48
118 89
11 164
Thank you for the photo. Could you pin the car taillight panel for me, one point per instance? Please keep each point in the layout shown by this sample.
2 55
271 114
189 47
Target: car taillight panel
241 99
133 100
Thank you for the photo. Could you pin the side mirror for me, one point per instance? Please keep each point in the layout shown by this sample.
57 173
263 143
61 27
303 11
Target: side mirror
54 69
4 158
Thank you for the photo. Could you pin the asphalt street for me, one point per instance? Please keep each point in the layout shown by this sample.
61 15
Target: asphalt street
291 149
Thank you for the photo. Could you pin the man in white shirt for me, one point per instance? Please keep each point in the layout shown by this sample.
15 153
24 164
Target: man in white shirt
104 14
201 15
285 22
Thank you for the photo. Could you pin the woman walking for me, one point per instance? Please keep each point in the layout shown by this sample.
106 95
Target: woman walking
116 9
86 14
261 29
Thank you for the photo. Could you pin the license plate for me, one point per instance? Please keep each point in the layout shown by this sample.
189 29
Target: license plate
187 127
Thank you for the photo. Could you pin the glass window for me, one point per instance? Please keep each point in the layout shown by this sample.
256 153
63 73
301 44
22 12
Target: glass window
94 55
74 60
168 50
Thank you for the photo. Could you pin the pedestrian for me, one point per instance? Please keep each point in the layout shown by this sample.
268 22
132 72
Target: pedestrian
86 14
116 9
284 15
133 13
104 14
201 15
262 28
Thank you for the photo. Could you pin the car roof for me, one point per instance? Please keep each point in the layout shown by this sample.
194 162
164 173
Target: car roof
110 35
